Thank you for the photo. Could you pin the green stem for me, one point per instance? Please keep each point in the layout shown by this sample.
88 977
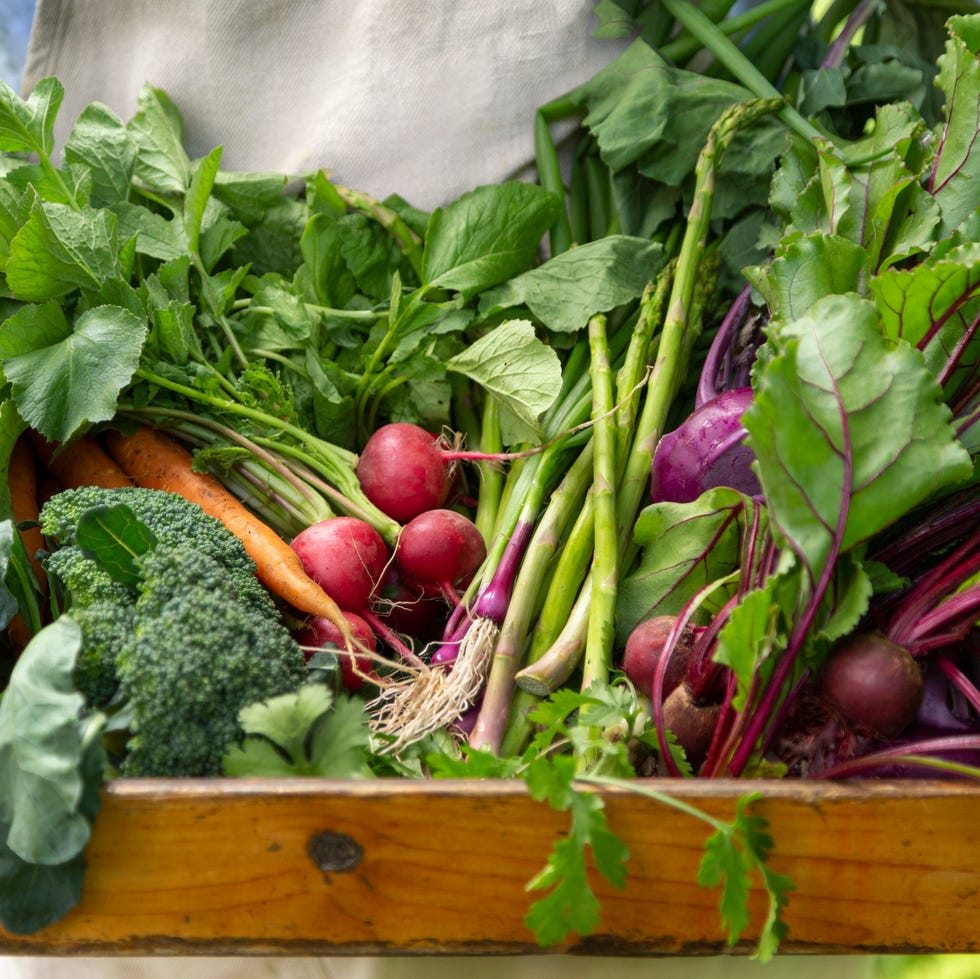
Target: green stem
605 565
491 475
732 58
686 46
335 464
525 602
550 178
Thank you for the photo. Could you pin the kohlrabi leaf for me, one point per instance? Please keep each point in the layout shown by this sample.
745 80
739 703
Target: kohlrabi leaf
59 249
571 287
27 125
685 546
487 236
64 375
956 172
99 140
848 429
522 373
634 105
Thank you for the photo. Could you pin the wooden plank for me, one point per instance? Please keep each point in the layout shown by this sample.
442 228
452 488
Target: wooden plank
228 866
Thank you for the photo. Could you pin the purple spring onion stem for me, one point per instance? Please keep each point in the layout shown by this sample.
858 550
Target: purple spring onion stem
491 600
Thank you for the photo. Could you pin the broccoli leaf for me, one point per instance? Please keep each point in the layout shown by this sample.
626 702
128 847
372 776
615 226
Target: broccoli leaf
522 373
32 896
309 732
112 536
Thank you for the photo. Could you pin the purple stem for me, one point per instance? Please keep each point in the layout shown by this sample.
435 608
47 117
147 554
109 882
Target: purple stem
838 49
721 348
491 600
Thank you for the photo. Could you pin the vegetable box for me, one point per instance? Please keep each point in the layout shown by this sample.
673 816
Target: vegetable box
311 866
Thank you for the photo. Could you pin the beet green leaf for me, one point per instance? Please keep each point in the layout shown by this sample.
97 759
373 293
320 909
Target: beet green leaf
848 428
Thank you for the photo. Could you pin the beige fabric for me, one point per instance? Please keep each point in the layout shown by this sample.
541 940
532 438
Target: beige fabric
426 99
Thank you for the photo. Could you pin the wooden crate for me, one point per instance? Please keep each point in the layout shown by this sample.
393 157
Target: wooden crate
307 866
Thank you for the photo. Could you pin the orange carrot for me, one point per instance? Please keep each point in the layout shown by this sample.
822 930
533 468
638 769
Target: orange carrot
81 463
22 482
153 459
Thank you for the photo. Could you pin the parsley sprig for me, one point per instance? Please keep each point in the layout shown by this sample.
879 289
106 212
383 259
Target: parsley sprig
592 740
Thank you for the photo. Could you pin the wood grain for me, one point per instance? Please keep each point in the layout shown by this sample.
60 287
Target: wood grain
216 866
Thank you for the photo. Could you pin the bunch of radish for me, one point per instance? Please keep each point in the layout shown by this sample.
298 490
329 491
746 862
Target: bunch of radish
395 598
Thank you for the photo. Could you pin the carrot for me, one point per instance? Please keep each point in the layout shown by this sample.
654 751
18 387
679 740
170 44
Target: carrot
22 483
81 463
153 459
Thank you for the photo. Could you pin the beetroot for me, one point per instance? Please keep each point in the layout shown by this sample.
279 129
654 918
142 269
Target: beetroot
875 683
645 649
346 557
692 724
404 471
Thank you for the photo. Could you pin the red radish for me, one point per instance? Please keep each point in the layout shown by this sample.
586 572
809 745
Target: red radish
441 548
405 470
345 556
357 669
408 607
645 647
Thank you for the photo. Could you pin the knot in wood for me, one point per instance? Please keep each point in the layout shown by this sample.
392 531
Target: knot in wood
334 852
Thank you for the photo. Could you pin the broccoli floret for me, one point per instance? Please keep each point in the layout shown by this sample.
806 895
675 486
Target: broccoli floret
196 658
174 521
107 626
84 581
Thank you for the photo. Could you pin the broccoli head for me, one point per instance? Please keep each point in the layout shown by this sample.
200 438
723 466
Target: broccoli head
197 656
174 521
106 627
